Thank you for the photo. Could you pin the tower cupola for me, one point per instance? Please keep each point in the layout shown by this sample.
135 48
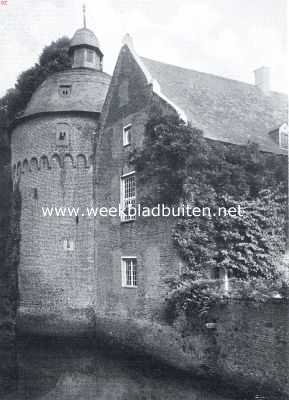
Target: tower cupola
85 49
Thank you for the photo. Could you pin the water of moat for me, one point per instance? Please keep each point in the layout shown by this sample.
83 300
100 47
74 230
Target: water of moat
66 370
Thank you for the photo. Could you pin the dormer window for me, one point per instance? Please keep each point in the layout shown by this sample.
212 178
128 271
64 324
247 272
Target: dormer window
64 90
283 136
62 134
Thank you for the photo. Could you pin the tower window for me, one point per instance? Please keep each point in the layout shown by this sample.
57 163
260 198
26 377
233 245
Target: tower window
35 194
283 137
128 196
62 136
90 56
64 90
126 135
129 271
68 245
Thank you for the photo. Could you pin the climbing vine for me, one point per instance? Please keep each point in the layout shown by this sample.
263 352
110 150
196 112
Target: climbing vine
177 165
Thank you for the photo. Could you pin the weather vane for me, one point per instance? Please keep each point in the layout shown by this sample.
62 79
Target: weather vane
84 15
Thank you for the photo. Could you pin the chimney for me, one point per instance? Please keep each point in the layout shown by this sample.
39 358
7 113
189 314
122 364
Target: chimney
262 78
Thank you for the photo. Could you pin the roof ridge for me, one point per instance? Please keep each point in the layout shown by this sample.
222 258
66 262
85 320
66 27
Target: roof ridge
251 85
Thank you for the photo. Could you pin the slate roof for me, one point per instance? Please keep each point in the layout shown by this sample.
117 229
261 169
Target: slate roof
88 92
225 109
84 37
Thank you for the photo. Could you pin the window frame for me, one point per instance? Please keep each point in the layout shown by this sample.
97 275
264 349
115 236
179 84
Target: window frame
68 244
62 128
89 57
65 90
283 130
131 199
126 135
124 275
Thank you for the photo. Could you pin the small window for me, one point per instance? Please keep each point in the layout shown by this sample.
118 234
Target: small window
35 194
64 90
283 137
89 56
68 245
62 136
128 196
123 93
126 135
129 271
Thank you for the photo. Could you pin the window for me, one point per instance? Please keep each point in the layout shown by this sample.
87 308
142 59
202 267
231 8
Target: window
89 56
223 275
35 194
126 135
123 94
62 137
128 196
283 137
129 271
68 245
64 90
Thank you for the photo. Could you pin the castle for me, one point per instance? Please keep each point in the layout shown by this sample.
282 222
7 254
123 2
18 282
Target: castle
70 148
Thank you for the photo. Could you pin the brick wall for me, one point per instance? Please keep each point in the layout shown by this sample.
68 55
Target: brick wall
51 277
129 101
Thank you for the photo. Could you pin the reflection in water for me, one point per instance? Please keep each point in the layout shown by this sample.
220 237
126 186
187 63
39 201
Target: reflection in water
66 371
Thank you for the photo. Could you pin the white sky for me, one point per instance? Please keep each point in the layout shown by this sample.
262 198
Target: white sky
224 37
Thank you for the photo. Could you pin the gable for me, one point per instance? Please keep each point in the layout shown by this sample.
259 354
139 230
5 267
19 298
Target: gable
129 91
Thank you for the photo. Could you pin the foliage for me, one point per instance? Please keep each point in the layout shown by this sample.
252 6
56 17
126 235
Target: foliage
195 298
161 163
246 244
54 58
177 165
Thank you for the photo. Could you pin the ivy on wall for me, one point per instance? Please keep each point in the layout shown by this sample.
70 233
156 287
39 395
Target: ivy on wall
177 165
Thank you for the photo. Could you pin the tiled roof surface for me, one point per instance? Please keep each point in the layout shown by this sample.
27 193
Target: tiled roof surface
88 91
225 109
84 36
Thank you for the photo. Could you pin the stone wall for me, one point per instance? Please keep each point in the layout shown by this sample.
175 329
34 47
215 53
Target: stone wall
252 343
49 174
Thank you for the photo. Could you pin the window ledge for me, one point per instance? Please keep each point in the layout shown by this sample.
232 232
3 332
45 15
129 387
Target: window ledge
129 287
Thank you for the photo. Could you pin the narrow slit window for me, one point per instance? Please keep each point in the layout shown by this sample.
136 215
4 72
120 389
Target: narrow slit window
68 244
35 194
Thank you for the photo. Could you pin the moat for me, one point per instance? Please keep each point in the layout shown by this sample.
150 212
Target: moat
75 371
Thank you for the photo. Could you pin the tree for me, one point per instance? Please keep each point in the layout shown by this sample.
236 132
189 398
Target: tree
54 58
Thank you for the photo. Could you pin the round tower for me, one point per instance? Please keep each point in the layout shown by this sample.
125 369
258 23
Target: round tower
51 157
